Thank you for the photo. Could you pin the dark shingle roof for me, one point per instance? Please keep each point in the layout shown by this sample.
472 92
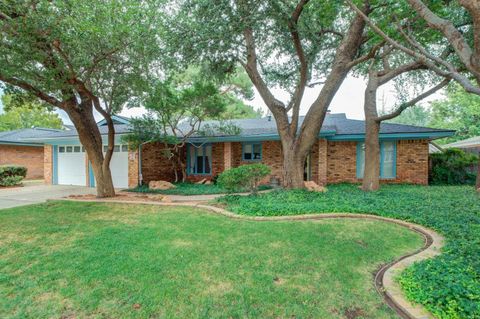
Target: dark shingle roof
22 136
334 124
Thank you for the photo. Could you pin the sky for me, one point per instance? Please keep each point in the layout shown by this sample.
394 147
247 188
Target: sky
349 100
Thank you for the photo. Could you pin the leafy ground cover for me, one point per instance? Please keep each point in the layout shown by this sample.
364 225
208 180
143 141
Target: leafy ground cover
87 260
187 189
449 285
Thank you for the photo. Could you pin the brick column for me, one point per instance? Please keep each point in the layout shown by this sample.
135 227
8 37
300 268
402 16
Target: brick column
227 155
322 161
133 173
47 164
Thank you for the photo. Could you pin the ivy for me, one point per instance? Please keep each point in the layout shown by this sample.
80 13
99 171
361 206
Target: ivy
448 285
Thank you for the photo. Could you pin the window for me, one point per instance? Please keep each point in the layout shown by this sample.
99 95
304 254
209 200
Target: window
252 152
116 148
124 148
199 159
61 149
69 149
388 159
76 149
83 149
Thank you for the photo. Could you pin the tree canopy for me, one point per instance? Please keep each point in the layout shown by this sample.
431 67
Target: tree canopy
27 115
459 111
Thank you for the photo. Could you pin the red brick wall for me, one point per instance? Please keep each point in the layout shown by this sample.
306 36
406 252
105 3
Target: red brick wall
412 161
331 161
133 178
47 164
341 162
29 156
155 165
271 155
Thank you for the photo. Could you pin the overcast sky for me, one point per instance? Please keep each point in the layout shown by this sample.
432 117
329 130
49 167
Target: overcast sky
349 100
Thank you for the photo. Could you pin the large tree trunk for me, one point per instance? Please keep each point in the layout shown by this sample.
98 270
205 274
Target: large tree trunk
89 134
371 179
294 156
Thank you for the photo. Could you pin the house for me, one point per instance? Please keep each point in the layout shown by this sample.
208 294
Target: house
337 156
15 150
469 145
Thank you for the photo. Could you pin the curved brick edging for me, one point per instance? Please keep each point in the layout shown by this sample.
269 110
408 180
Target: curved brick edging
384 278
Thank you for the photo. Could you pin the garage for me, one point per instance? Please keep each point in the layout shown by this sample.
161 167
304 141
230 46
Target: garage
71 165
119 165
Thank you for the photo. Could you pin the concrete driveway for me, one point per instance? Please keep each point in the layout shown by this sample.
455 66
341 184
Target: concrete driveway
38 193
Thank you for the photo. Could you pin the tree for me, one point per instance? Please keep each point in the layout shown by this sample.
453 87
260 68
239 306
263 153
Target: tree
287 44
459 111
456 26
79 56
377 78
416 115
177 109
29 115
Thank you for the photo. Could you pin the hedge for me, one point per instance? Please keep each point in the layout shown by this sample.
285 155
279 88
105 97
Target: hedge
11 175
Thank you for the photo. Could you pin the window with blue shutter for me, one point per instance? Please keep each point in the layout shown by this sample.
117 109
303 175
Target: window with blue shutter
199 159
388 159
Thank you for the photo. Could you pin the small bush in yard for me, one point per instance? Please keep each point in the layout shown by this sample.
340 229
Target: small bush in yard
452 167
11 175
243 177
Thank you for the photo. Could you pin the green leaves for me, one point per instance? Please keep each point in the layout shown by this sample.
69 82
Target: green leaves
448 285
24 112
243 177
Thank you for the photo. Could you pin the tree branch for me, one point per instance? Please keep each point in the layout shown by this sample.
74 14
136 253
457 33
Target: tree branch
294 103
30 88
413 101
454 37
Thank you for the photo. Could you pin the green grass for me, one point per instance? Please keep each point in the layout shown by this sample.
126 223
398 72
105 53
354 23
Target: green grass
448 285
86 260
187 189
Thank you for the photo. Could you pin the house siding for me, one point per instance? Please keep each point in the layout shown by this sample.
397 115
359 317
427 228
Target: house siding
30 157
48 164
331 162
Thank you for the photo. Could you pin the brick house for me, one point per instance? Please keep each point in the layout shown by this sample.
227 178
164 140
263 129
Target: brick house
337 156
14 150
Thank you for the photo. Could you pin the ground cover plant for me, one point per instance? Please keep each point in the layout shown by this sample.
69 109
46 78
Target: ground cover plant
448 285
91 260
189 189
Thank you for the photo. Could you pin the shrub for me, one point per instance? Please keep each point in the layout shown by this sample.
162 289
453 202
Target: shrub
10 180
12 170
243 177
11 175
453 167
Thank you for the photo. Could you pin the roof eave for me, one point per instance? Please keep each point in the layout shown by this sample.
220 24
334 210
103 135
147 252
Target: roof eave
402 136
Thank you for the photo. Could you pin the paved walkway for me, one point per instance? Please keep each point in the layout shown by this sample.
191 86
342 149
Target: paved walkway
34 193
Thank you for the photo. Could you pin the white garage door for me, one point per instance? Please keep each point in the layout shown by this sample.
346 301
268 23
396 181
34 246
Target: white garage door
71 165
119 166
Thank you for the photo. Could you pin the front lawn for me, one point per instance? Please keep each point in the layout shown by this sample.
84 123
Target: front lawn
448 285
79 260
